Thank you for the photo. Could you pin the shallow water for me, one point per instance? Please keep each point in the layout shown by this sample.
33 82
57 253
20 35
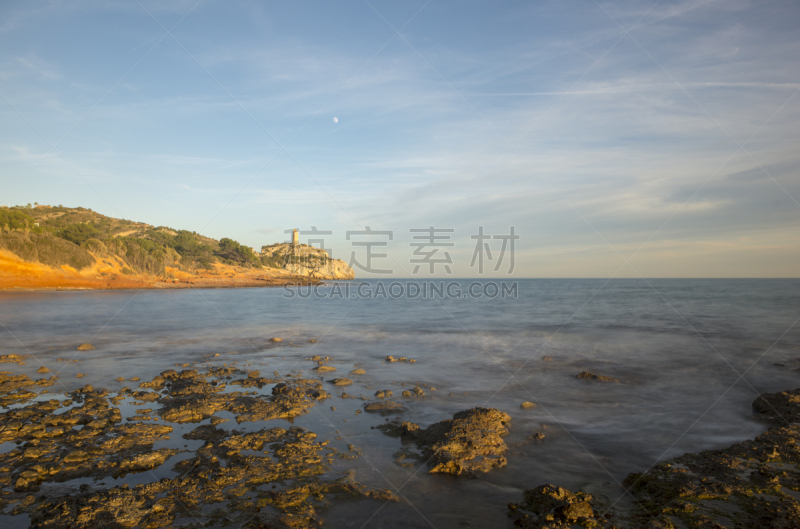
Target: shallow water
678 348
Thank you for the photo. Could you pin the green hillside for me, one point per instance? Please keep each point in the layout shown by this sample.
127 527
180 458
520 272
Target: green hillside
64 236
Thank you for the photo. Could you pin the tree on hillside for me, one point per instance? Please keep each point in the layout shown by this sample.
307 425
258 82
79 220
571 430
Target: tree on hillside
233 251
79 233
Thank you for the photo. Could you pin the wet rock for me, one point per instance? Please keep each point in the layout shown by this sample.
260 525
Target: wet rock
527 405
183 413
407 394
169 374
157 383
288 400
470 442
43 369
385 406
312 340
598 378
547 358
253 374
85 347
147 461
782 408
418 391
406 458
384 393
749 482
391 359
80 375
100 448
341 382
358 372
324 369
145 396
218 486
13 388
547 504
11 359
276 339
206 432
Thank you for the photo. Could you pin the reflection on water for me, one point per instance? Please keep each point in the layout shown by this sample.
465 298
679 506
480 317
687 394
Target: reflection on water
677 352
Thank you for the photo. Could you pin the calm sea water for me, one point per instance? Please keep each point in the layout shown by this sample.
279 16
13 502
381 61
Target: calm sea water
677 346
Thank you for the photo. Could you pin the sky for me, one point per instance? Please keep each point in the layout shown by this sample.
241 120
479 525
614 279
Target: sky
618 139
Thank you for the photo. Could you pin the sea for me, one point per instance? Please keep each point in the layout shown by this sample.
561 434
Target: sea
690 356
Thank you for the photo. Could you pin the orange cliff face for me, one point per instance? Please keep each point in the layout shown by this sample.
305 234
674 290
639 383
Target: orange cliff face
18 274
106 274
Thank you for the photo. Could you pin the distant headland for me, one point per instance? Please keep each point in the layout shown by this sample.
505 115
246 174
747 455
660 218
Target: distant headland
60 248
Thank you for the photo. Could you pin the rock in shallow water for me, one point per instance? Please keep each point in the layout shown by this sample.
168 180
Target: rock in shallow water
468 443
10 358
783 407
750 484
547 504
385 406
598 378
220 485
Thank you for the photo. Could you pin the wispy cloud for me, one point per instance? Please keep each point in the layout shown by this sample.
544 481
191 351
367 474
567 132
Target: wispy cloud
646 142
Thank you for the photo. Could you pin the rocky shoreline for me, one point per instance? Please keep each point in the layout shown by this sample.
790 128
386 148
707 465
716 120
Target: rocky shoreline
134 285
17 275
65 455
270 477
752 484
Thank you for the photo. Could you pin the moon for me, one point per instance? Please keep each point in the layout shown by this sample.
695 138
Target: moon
336 120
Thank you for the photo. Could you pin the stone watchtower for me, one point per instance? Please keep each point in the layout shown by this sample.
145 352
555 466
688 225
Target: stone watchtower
296 246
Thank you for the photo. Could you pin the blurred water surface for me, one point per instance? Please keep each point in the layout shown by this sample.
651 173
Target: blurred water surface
678 348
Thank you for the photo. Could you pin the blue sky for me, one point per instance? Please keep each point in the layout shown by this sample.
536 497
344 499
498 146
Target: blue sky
628 138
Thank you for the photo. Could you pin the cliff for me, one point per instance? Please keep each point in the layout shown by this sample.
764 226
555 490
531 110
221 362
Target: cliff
57 247
306 261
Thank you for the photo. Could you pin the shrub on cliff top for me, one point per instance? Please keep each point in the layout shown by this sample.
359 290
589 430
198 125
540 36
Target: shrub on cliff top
231 250
79 233
94 245
46 249
142 255
15 220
